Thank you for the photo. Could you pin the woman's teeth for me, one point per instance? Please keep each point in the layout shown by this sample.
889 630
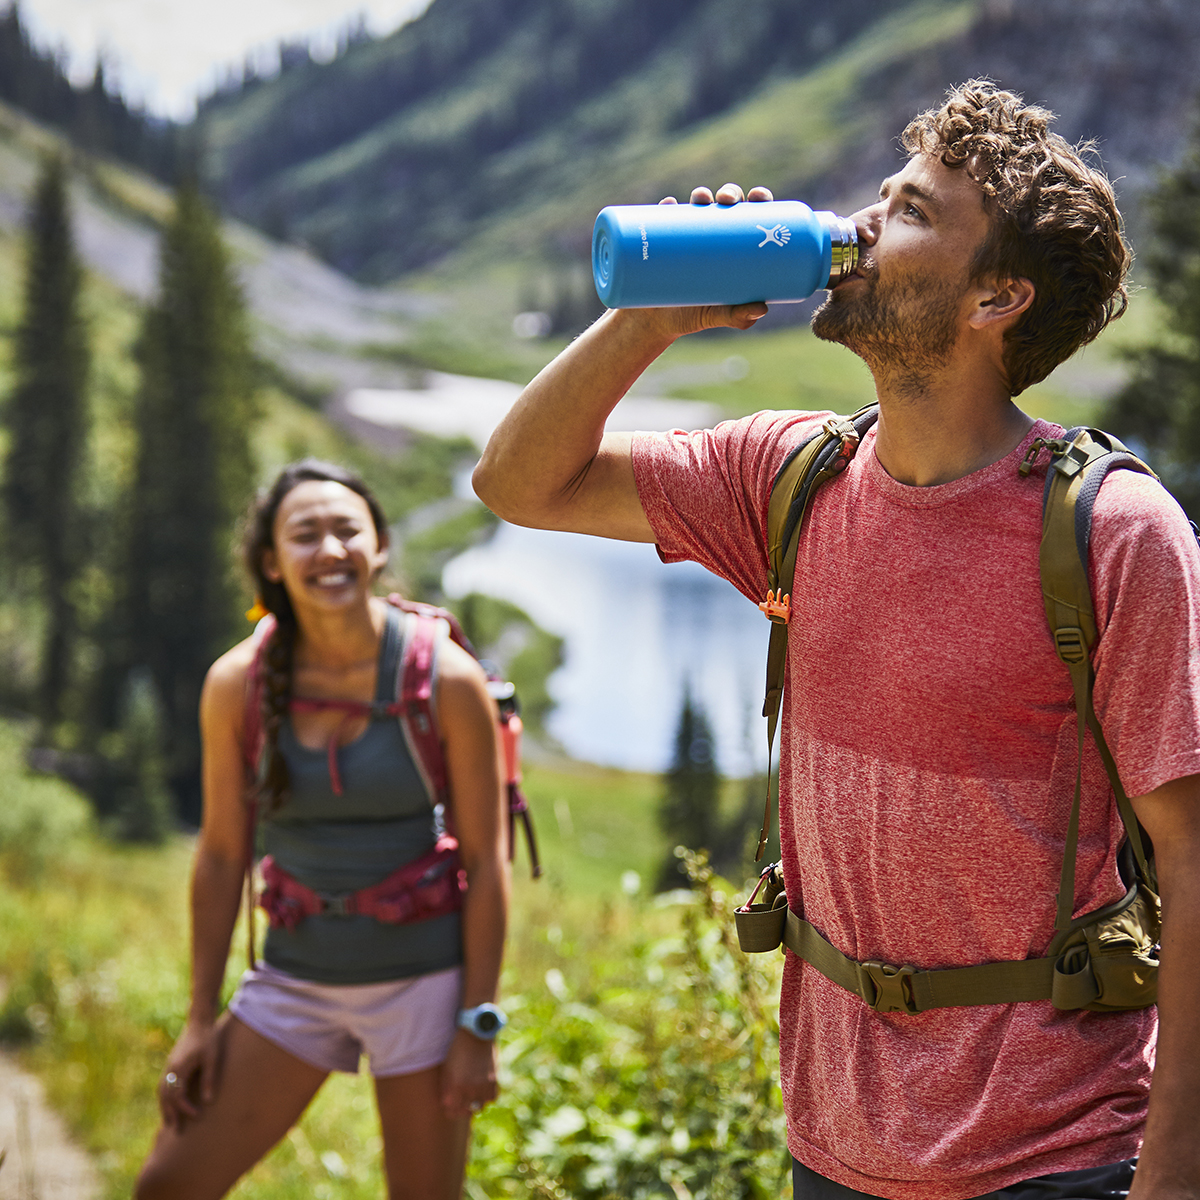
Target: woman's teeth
335 579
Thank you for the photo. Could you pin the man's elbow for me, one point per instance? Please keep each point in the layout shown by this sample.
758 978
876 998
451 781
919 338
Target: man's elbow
485 481
510 497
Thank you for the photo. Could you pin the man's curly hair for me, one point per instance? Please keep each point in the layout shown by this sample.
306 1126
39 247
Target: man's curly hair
1054 220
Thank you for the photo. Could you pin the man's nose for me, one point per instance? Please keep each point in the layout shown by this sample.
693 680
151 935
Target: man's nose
331 547
868 222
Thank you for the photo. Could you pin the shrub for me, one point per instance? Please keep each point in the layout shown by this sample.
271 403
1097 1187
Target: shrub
40 816
653 1075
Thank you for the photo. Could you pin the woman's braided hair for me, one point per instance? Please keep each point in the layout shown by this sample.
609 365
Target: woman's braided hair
279 652
1054 220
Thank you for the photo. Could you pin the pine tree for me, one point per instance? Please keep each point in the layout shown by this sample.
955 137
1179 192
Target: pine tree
195 472
688 813
46 419
1160 407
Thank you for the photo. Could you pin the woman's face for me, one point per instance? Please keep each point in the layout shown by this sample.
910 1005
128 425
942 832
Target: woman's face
326 551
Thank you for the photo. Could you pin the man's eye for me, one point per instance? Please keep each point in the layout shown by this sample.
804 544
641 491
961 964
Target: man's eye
912 210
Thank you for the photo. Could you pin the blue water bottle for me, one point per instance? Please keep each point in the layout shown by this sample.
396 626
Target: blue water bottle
666 255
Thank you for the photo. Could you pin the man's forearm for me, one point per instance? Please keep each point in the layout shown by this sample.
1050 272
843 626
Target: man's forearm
550 443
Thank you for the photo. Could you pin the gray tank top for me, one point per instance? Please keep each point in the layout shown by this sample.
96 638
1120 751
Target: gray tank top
336 844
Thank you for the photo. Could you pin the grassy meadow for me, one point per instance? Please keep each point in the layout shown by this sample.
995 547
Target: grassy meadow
639 1062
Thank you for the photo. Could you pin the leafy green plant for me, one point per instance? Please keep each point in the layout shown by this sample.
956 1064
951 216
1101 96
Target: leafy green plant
648 1072
40 819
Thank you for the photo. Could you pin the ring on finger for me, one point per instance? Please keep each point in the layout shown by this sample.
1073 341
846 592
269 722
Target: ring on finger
171 1079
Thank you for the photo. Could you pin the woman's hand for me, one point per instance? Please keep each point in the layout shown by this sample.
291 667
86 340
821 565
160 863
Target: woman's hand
190 1076
468 1075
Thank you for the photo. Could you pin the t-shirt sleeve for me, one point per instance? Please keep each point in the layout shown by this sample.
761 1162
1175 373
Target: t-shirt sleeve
1145 575
705 493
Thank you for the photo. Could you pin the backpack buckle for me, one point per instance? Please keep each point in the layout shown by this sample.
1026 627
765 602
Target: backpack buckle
844 430
1070 644
777 607
338 906
886 985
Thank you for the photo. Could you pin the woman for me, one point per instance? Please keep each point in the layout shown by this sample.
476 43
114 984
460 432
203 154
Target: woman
336 820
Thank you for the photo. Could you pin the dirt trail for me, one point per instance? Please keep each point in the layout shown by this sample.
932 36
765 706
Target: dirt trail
41 1162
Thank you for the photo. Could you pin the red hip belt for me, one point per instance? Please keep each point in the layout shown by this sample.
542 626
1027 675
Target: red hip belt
430 886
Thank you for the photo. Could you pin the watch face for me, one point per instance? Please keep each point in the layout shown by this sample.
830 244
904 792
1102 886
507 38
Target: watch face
487 1022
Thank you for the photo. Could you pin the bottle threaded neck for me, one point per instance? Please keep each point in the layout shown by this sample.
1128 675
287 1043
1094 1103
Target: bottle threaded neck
843 238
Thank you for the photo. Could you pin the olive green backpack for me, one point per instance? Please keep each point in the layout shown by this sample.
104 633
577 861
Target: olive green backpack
1103 961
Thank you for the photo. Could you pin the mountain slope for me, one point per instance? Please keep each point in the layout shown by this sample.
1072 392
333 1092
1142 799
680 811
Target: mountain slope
383 160
505 124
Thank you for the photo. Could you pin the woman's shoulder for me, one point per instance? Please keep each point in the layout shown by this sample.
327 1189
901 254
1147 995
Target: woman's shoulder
461 682
225 683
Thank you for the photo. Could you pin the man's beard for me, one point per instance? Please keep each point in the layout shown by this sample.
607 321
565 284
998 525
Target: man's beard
904 331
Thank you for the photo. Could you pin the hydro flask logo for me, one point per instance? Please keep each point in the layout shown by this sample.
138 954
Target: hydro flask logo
778 235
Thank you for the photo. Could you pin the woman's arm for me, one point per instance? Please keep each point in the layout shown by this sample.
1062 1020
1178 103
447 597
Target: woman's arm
467 716
217 875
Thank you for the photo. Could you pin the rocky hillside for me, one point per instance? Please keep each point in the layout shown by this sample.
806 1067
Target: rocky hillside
498 127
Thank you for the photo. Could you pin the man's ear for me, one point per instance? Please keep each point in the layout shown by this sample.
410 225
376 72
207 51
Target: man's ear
1002 302
270 568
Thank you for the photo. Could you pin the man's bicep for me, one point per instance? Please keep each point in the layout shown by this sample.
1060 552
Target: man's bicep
603 498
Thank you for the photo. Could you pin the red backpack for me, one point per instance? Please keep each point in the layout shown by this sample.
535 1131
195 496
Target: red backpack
433 884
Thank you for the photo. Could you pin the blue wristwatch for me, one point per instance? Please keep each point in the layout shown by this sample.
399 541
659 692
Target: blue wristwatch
484 1021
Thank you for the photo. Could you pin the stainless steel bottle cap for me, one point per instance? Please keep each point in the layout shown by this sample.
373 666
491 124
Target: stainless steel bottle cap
843 236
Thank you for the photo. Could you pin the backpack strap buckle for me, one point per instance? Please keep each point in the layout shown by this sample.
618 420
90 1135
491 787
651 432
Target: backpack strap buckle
338 906
777 607
1071 645
847 434
884 987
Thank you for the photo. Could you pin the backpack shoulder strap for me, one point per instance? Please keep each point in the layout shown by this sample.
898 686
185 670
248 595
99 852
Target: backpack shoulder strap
1079 463
814 462
252 726
433 613
253 737
414 695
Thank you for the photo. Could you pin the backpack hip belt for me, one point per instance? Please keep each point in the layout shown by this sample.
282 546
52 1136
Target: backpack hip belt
1103 961
430 886
1106 962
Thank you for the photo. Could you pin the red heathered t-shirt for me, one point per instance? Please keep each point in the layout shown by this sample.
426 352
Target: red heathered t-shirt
927 768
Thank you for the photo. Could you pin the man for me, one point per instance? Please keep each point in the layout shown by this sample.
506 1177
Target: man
928 730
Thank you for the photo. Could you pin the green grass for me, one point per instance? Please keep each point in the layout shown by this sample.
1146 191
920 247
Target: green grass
625 1014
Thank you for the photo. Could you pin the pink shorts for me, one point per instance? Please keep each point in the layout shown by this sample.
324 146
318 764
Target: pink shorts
402 1026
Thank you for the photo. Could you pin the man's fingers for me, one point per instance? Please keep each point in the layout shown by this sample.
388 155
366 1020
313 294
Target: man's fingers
730 193
668 200
701 195
760 194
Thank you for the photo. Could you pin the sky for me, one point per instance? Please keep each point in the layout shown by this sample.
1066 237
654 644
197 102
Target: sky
164 53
